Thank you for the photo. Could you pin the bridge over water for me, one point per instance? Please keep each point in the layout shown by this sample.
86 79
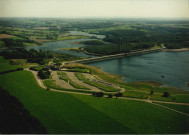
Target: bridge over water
106 57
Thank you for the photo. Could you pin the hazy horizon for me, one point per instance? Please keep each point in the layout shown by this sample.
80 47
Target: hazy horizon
95 8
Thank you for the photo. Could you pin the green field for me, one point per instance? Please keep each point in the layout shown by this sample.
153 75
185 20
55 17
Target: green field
182 108
71 113
134 94
2 44
71 37
5 66
142 90
30 44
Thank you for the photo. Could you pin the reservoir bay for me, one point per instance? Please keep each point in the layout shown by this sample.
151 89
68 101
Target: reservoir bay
170 68
58 45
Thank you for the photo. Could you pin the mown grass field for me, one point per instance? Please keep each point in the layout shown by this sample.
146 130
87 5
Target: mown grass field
5 66
70 37
182 108
2 44
30 44
158 92
5 36
134 94
72 113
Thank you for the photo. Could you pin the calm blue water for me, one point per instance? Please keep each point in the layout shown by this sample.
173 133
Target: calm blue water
174 66
56 47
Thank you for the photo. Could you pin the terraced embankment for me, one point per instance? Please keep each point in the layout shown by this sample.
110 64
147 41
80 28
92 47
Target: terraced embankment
100 85
60 82
74 78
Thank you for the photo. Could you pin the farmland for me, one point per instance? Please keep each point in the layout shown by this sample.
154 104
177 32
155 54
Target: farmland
121 115
132 34
67 101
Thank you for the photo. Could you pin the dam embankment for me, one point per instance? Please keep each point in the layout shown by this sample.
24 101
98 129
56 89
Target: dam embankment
107 57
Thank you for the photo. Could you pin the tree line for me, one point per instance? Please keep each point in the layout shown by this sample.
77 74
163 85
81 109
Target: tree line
32 56
171 37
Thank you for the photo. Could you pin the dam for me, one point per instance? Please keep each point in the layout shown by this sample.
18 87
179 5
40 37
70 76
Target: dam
107 57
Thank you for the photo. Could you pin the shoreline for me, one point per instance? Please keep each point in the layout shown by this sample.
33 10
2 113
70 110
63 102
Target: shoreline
94 54
175 50
163 50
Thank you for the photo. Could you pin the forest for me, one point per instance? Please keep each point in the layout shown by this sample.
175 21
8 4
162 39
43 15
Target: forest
34 56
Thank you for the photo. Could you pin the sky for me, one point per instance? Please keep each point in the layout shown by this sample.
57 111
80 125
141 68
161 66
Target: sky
95 8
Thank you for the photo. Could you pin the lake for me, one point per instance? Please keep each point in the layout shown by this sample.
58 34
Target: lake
56 47
174 66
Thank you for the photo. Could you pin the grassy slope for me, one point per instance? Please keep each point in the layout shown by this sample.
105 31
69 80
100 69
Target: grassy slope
98 72
181 108
2 44
71 113
5 66
158 92
138 116
103 87
15 119
60 113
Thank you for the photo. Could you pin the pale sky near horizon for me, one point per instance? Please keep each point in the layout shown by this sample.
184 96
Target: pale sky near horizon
95 8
